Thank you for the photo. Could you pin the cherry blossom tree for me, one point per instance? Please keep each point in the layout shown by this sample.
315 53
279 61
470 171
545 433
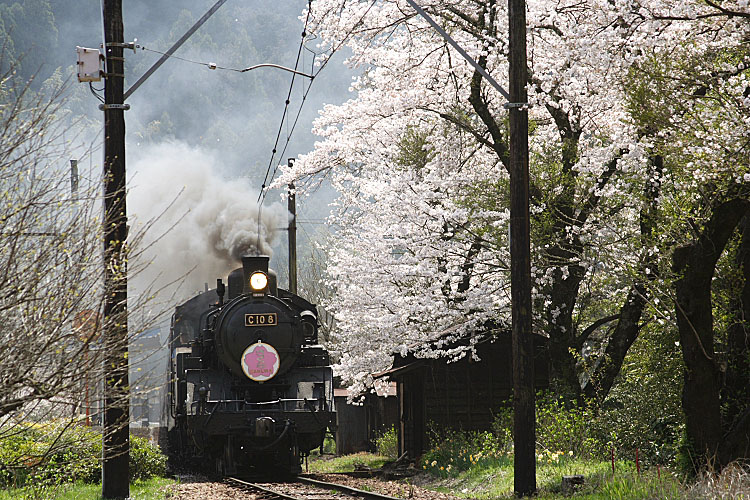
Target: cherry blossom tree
638 138
696 103
423 159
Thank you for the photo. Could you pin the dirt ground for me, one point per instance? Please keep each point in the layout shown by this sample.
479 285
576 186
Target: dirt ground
199 488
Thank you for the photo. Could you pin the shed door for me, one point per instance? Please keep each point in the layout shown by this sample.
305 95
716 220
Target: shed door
413 427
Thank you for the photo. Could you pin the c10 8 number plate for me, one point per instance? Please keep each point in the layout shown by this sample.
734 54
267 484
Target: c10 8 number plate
263 319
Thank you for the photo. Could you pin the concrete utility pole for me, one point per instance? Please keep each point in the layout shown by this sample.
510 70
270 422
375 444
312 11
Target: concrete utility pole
524 418
292 206
116 444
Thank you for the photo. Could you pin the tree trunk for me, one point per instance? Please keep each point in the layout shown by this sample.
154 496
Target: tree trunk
628 324
694 263
623 336
735 394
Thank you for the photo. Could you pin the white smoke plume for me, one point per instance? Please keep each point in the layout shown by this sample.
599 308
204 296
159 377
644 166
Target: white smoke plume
197 224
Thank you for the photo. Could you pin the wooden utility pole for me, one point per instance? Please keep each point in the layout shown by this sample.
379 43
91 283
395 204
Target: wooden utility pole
116 442
292 206
524 420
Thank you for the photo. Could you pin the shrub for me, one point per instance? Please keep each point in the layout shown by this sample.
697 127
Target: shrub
453 452
559 429
49 454
386 444
52 454
565 429
146 460
627 421
644 408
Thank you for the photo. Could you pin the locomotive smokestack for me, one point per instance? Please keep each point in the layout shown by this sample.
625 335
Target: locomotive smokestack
250 264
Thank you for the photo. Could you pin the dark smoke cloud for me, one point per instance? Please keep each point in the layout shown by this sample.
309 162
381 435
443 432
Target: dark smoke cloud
199 224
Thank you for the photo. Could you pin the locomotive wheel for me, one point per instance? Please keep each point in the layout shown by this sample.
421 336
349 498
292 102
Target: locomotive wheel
173 449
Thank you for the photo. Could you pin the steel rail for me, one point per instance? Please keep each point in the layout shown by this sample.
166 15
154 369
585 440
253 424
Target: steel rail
261 488
348 489
367 495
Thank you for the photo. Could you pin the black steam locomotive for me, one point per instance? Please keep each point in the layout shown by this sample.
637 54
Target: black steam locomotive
250 388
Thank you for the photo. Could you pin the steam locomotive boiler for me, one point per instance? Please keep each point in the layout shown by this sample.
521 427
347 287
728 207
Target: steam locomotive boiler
250 387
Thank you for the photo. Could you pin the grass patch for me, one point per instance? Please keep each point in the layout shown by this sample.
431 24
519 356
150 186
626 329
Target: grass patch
327 464
497 482
148 489
484 482
494 479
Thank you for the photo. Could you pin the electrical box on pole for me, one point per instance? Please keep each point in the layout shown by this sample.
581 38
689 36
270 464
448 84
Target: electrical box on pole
90 64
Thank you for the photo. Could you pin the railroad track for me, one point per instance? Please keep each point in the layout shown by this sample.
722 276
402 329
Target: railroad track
303 488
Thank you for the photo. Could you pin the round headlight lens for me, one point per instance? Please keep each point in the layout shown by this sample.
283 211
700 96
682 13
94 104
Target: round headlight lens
258 281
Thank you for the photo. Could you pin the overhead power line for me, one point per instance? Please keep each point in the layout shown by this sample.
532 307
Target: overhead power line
214 66
267 180
174 47
261 196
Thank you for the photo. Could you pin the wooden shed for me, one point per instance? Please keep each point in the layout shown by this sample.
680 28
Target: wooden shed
460 395
358 425
351 424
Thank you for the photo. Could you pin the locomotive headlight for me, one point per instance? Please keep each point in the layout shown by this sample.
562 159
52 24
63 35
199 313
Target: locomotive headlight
258 281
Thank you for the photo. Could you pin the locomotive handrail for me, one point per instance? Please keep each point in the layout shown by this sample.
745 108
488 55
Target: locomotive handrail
241 404
210 416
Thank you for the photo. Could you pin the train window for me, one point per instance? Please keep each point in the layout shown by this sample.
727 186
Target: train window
184 330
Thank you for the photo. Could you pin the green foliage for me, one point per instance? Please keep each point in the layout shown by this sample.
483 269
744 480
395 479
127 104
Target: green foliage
565 429
453 452
329 445
346 463
686 456
644 410
47 455
386 444
642 413
561 431
151 489
414 149
146 460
